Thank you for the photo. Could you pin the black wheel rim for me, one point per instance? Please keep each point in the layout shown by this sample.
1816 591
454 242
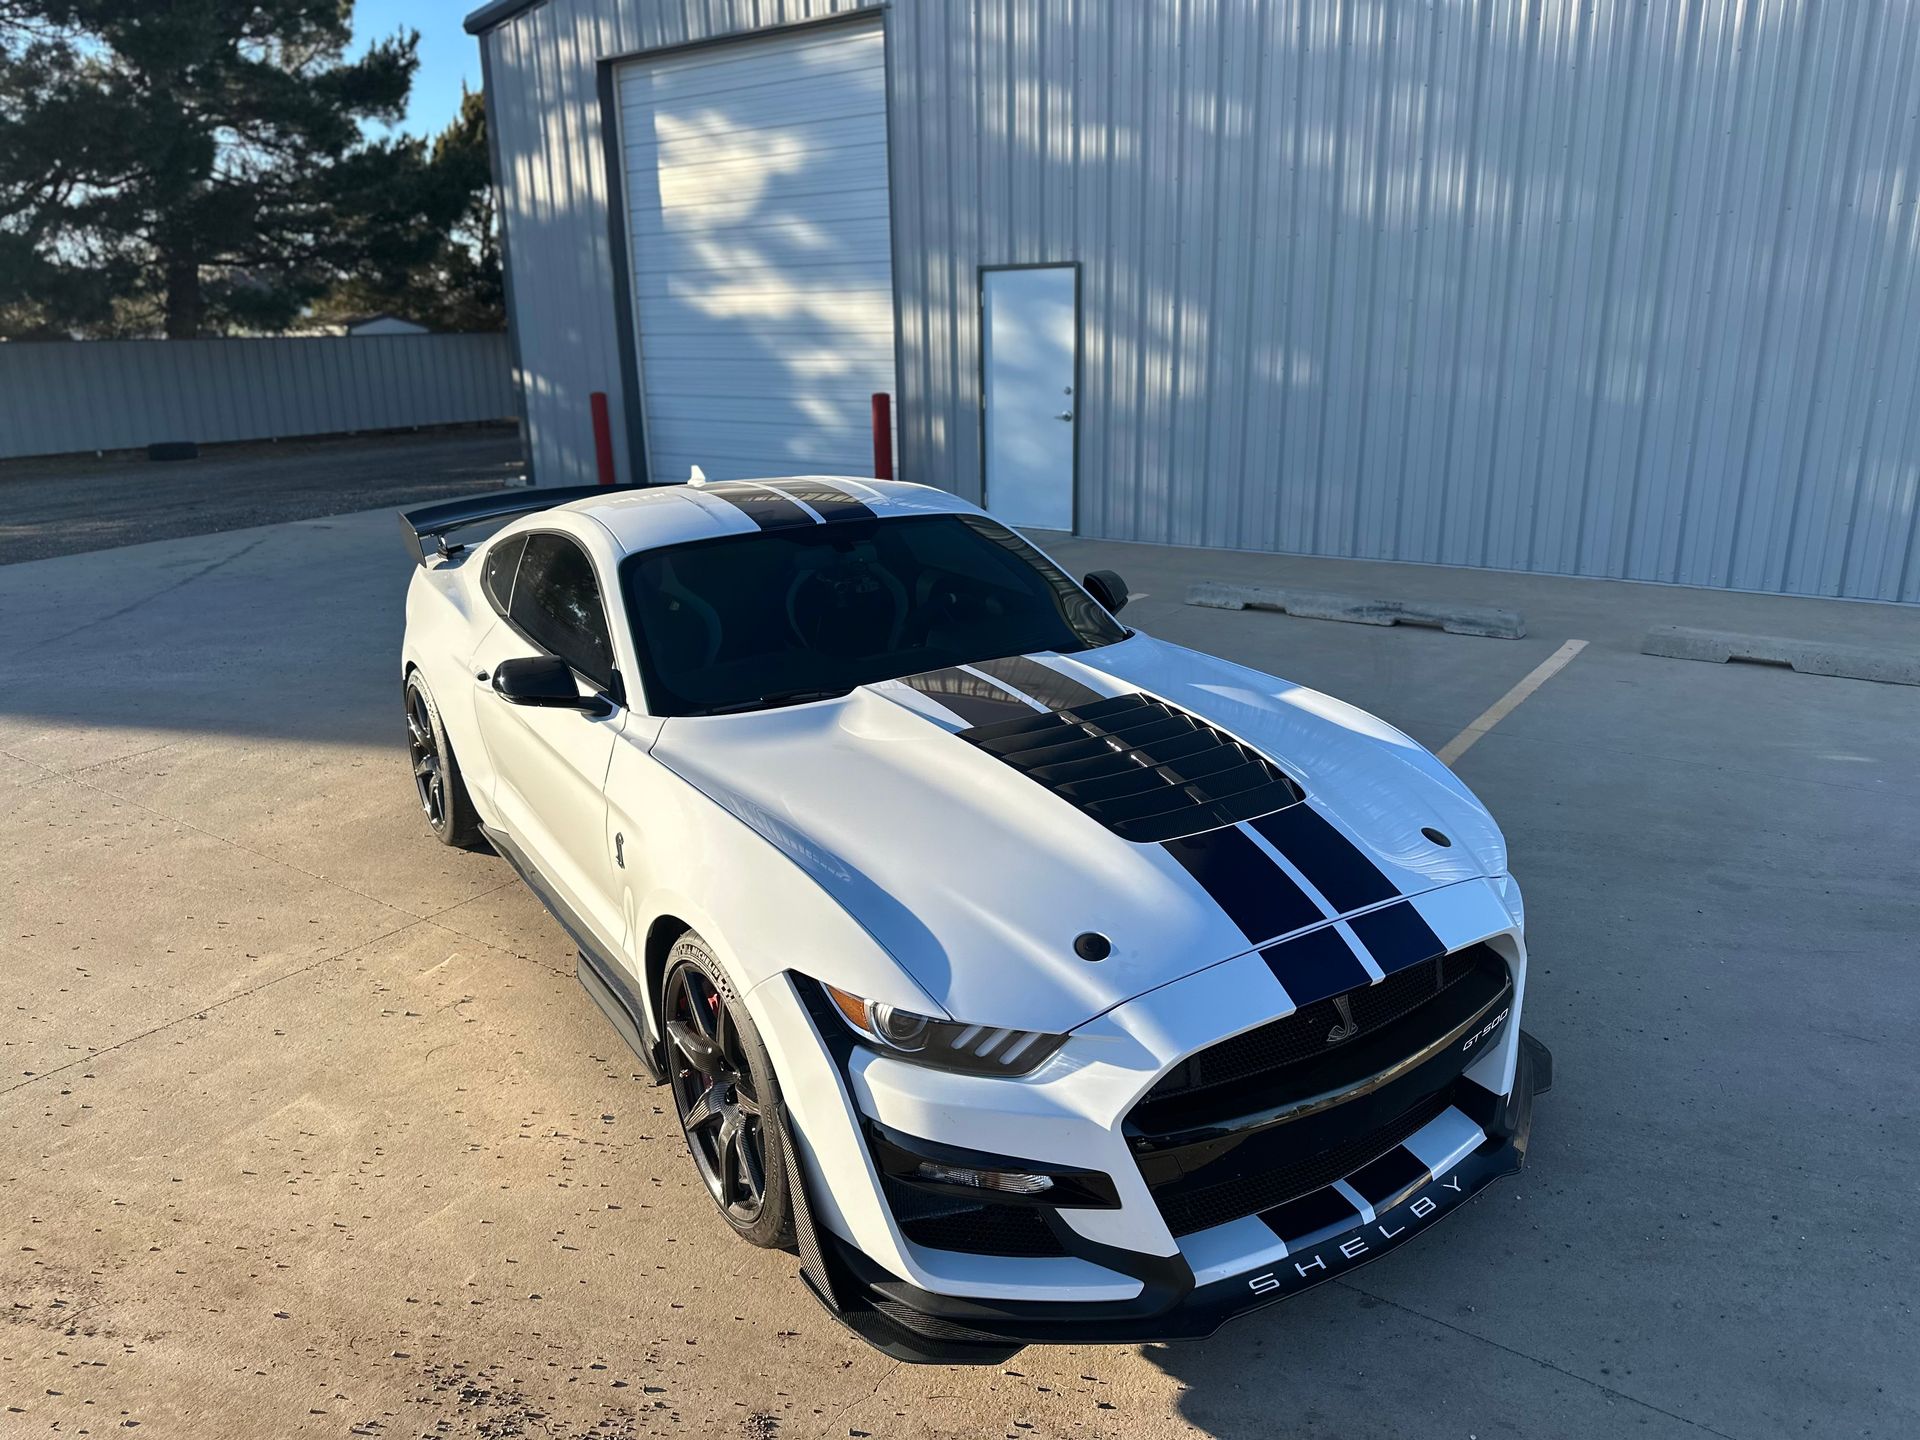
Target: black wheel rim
713 1089
429 779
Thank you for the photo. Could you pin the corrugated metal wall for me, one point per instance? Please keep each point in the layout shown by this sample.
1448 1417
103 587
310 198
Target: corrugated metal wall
1603 287
121 394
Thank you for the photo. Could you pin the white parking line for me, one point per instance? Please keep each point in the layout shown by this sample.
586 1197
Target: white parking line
1507 703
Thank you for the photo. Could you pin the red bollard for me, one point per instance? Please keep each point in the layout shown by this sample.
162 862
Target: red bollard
882 436
602 437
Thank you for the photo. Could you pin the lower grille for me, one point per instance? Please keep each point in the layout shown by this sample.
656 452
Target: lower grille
1187 1208
959 1224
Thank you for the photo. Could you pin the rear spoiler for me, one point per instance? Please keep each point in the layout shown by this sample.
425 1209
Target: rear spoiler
426 528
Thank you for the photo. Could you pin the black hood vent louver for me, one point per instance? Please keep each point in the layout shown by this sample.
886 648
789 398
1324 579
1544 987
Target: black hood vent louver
1147 770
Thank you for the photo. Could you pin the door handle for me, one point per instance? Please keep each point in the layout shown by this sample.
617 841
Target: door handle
1064 415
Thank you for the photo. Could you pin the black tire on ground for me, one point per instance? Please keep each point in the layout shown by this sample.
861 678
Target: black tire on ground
436 774
726 1095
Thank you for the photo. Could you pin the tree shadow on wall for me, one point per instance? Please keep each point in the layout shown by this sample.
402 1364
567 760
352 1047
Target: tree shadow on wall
1612 290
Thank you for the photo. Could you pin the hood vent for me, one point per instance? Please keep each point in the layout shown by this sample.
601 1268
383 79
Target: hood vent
1146 770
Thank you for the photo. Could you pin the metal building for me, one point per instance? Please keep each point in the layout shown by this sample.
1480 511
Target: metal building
1601 287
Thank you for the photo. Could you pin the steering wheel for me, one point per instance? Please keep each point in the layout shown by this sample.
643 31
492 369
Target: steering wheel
848 606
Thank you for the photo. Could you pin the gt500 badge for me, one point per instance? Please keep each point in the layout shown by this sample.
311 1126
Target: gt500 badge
1322 1261
1485 1030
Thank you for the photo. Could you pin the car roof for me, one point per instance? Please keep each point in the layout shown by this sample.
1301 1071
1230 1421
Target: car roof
645 518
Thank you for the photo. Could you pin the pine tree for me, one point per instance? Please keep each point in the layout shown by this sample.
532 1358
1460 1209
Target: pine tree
196 166
459 285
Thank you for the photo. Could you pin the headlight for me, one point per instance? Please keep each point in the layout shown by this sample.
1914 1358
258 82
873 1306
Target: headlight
982 1049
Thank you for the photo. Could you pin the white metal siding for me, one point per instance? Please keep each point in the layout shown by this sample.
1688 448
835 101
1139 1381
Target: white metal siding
1598 287
1602 287
756 180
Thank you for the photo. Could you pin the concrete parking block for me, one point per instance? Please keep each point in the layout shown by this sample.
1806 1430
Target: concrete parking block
1359 609
1888 665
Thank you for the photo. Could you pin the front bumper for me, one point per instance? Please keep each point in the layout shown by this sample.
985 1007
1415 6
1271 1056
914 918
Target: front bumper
1173 1303
1208 1214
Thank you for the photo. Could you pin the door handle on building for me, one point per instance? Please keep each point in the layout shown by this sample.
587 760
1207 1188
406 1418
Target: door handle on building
1064 415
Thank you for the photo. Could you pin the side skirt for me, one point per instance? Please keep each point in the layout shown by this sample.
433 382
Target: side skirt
599 976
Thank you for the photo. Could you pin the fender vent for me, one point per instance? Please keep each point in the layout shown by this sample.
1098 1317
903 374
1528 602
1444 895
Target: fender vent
1146 770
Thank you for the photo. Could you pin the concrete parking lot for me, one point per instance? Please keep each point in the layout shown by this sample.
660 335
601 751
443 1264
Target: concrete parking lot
307 1129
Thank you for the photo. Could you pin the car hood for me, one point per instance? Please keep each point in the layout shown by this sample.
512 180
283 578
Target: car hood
977 879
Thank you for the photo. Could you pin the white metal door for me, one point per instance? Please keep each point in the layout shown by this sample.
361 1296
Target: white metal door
1030 332
761 251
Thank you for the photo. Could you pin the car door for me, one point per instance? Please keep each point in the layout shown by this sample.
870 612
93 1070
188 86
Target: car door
550 765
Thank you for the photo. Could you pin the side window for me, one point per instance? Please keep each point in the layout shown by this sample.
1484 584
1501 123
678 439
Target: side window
497 577
556 601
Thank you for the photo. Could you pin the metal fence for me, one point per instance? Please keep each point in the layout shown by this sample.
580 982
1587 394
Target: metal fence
62 397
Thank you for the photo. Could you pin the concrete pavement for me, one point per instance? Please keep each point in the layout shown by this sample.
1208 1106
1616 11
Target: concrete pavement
307 1129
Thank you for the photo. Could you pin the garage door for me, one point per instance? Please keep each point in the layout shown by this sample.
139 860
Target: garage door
760 249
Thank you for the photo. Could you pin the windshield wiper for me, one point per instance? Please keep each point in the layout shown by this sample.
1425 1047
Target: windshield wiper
777 698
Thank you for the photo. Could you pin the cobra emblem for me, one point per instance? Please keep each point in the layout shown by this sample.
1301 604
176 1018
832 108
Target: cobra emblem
1346 1029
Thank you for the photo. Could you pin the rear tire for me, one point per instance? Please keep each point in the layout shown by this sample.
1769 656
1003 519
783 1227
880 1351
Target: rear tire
436 775
726 1096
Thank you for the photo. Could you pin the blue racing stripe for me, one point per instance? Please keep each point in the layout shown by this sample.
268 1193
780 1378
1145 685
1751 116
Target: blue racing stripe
1390 1179
768 510
1315 965
1243 880
1318 1210
1333 864
827 501
1397 937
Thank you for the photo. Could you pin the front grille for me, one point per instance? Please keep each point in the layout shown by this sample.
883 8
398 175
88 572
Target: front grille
1279 1112
1188 1207
973 1229
1146 770
1260 1054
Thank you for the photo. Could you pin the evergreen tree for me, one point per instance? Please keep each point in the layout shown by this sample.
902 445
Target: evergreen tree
459 285
196 166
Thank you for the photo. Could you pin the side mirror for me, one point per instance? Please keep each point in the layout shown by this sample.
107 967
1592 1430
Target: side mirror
1108 588
543 680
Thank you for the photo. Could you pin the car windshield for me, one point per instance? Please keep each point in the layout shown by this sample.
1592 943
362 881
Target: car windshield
780 616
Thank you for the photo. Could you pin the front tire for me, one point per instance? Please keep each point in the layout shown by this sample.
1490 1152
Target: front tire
436 776
726 1096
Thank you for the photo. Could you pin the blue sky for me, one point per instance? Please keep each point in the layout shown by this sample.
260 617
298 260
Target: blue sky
447 53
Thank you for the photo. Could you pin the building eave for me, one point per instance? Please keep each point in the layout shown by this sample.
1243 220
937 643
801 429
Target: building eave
490 16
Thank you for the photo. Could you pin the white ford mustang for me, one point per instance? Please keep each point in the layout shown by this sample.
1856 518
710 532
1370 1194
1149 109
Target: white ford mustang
1041 980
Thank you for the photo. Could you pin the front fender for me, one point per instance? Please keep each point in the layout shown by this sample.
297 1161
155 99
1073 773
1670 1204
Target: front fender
691 860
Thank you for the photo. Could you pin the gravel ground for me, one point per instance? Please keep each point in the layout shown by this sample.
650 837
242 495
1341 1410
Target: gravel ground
68 504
